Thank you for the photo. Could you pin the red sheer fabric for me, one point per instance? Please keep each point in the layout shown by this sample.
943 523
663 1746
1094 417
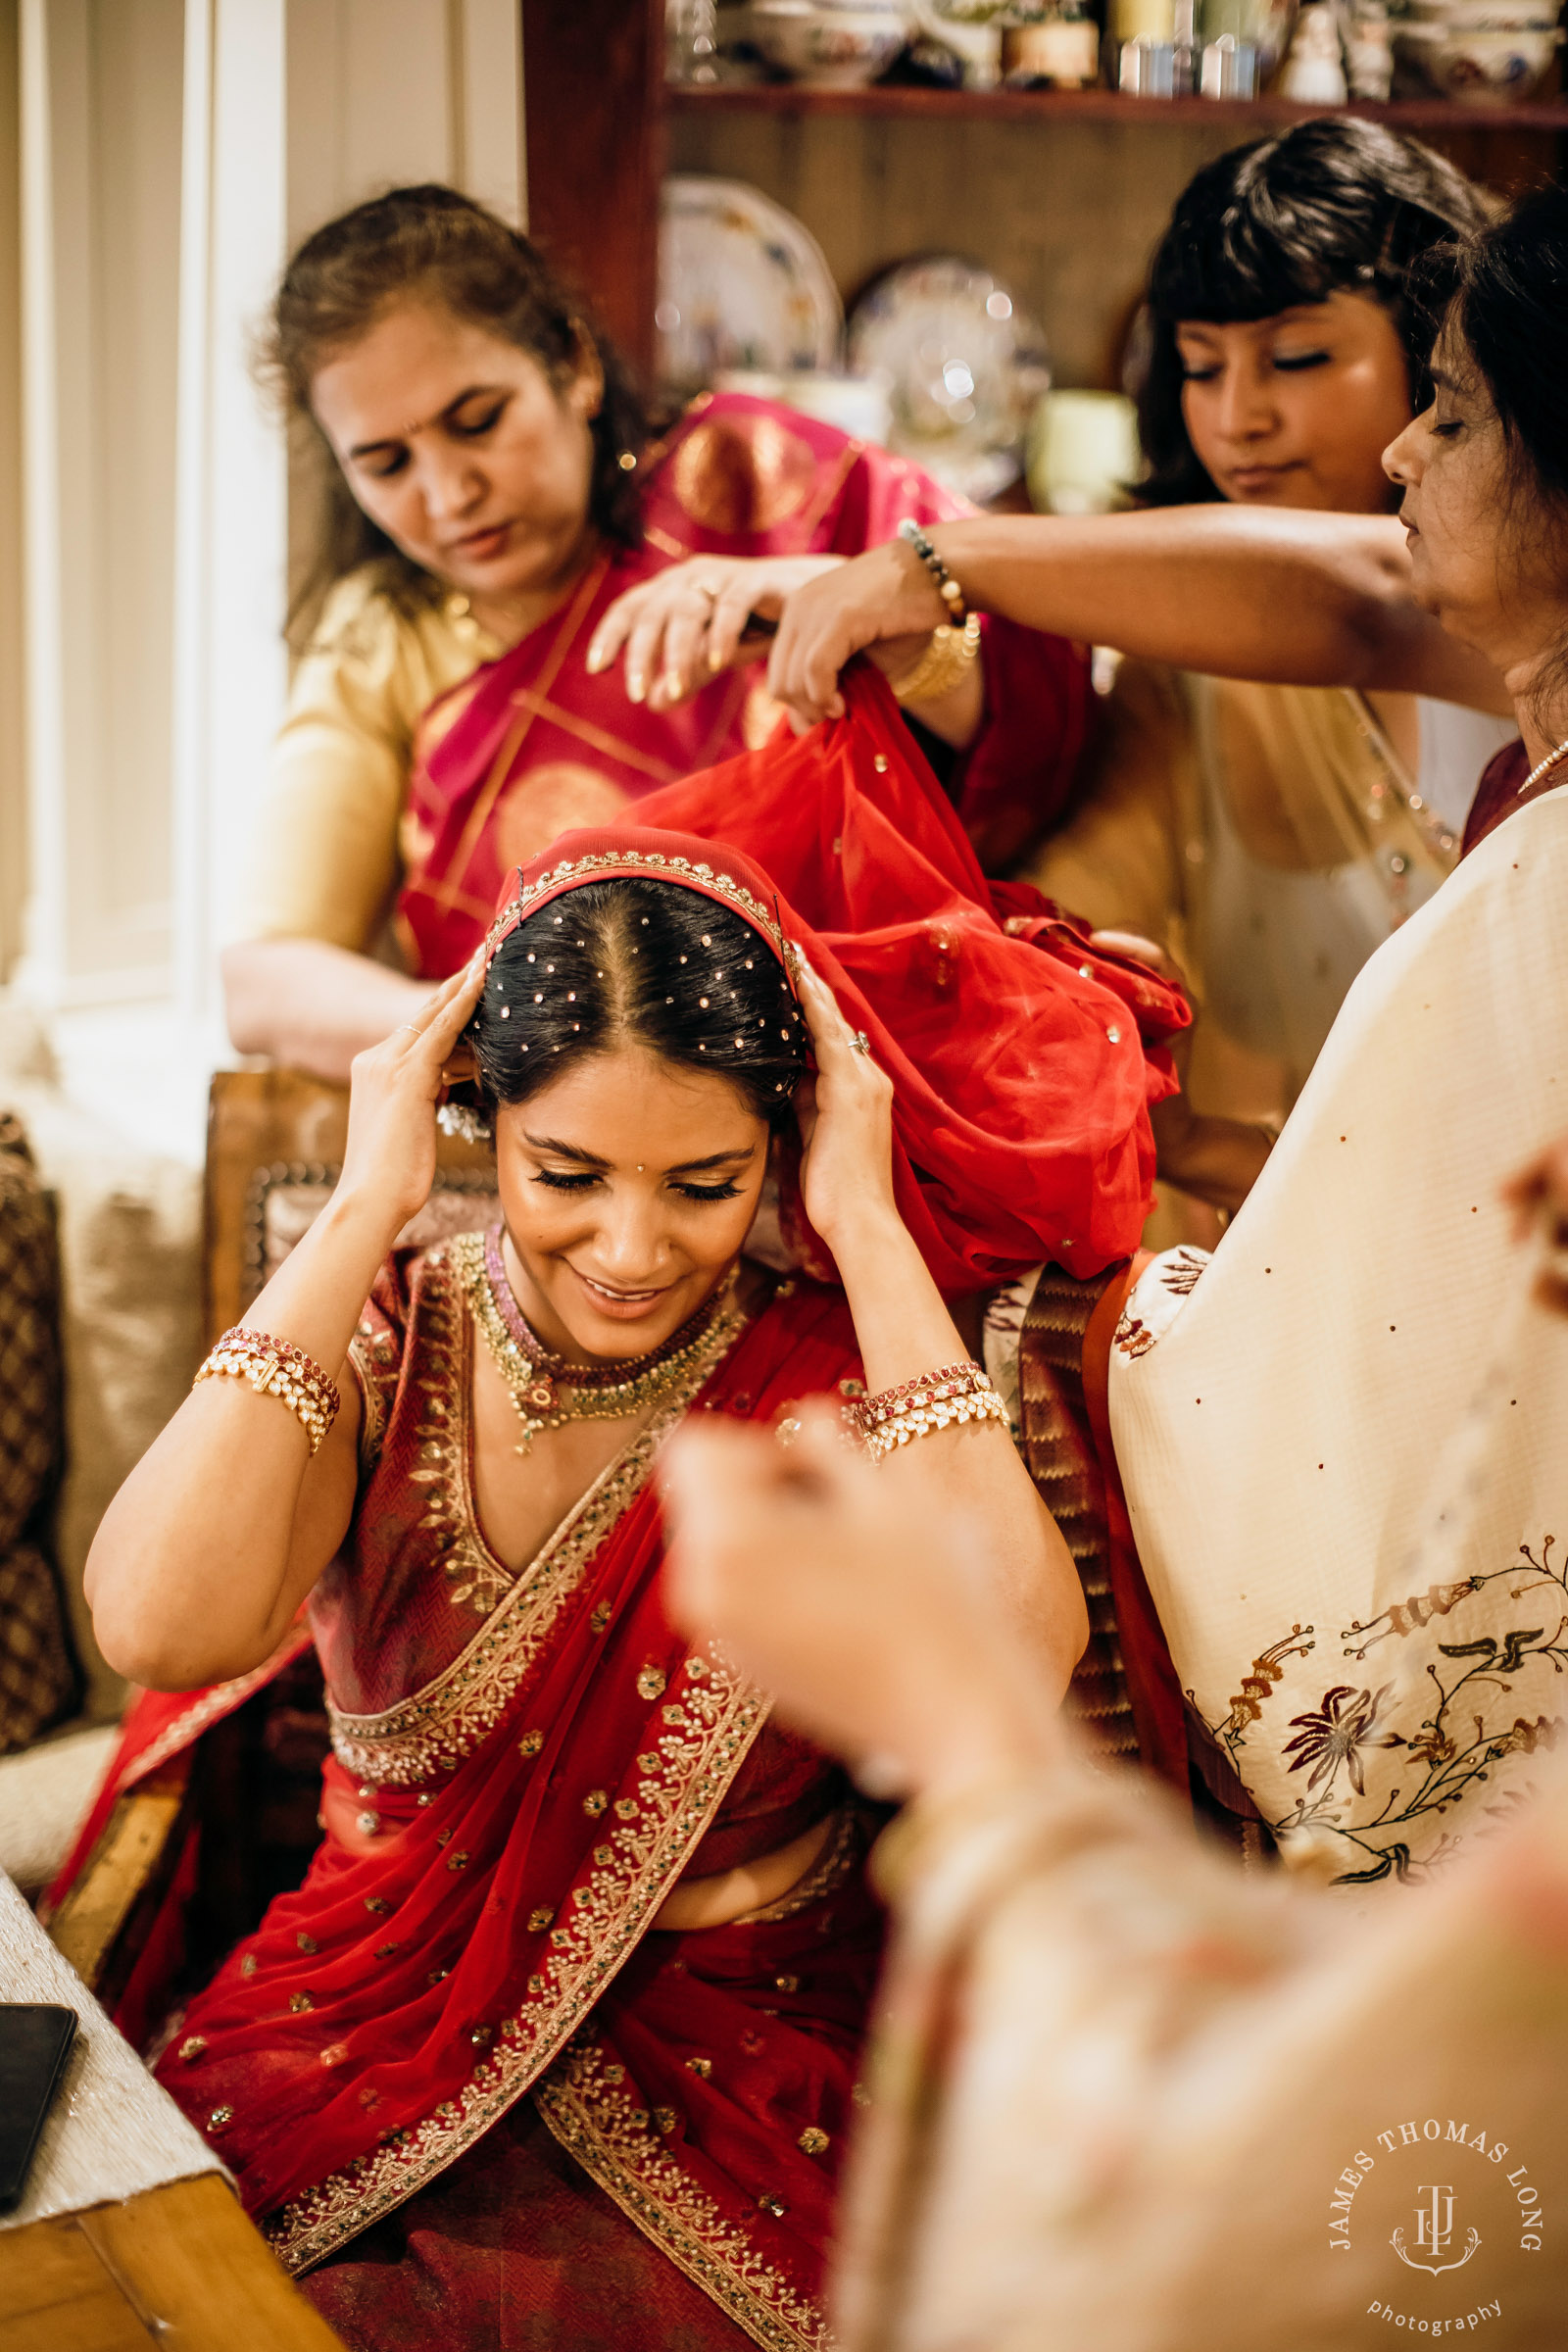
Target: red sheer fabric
532 744
1020 1073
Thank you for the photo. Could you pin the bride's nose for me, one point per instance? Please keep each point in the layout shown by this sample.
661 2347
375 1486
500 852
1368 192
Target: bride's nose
629 1245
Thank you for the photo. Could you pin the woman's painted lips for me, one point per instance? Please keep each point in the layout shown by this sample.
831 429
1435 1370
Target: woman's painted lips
621 1305
480 546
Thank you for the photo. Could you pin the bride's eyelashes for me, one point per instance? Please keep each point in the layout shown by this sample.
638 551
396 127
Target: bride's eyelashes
580 1183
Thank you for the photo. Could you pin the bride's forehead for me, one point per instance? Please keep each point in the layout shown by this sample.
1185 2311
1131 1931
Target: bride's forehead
629 1105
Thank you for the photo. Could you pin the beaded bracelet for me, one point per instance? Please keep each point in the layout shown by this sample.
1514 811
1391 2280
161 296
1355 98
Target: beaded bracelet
948 588
277 1368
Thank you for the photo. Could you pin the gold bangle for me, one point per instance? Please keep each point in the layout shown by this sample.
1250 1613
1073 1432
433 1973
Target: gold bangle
276 1368
942 665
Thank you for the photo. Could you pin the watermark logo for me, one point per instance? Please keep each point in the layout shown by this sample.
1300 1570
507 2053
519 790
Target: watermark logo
1433 2232
1428 2198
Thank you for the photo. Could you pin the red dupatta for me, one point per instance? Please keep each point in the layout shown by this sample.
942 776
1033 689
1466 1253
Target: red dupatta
532 745
1023 1061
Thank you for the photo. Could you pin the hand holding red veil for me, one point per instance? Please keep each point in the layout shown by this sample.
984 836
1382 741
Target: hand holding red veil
1023 1062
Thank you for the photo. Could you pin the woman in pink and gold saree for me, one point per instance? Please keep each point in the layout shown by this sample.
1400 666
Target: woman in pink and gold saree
495 484
559 2038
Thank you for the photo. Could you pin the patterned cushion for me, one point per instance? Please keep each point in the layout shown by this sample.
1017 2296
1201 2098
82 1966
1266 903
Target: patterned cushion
38 1676
292 1208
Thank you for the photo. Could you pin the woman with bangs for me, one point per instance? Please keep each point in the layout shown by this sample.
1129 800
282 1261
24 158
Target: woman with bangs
1270 836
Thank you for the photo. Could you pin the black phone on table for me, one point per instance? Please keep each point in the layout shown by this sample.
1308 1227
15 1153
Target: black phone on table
35 2039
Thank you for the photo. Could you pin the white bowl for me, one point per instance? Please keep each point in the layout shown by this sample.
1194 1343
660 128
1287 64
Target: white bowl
1477 69
827 47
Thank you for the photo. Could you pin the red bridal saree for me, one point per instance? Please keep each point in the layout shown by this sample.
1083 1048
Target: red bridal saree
461 2078
532 745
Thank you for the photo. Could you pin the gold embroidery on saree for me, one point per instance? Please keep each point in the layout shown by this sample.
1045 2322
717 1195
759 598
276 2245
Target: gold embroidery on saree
681 1781
595 2121
439 1724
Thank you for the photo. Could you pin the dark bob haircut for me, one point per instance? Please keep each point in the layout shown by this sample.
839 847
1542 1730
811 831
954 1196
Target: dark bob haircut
1331 206
635 962
432 244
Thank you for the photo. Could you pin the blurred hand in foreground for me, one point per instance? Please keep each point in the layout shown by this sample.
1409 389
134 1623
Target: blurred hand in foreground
857 1600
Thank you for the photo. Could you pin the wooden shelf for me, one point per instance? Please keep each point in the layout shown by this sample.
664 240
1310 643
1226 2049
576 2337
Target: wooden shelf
891 100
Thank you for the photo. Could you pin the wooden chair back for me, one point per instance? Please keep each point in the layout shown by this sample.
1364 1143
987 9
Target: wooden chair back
274 1150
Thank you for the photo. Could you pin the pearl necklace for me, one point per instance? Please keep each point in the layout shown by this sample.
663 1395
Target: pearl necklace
1543 766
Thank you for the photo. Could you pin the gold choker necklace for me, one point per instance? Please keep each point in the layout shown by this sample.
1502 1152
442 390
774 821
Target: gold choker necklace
546 1390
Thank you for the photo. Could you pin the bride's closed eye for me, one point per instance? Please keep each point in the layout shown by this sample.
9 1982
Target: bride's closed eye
557 1182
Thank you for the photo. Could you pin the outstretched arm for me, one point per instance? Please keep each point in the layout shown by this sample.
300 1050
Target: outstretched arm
1282 596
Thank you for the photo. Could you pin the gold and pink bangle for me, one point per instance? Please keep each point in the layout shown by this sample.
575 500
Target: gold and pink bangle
277 1368
917 1408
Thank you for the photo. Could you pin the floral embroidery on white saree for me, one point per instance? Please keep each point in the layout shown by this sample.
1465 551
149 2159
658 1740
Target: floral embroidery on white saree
1343 1445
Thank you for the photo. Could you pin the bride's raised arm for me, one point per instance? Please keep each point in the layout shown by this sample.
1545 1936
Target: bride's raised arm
907 1334
235 1510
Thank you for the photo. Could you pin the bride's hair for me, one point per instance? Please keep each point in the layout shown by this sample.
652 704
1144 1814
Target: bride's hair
639 962
1327 207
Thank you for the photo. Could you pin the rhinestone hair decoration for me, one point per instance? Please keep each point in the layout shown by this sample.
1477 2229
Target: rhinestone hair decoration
698 875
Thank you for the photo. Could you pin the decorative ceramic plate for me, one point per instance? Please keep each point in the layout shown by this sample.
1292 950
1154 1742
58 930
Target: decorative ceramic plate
965 365
742 283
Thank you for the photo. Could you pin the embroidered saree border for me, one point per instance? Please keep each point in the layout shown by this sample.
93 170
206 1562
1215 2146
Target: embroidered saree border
432 1731
208 1708
597 2122
681 1785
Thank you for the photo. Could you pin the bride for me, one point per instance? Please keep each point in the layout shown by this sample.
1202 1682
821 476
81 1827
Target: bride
564 1853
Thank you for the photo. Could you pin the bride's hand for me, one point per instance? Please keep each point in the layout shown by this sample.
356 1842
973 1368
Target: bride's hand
389 1158
846 1117
684 625
886 593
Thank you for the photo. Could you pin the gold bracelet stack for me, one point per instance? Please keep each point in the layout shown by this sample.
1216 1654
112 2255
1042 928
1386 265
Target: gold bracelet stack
942 665
942 1400
277 1368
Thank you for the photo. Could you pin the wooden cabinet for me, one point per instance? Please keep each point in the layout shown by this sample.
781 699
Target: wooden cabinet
1063 194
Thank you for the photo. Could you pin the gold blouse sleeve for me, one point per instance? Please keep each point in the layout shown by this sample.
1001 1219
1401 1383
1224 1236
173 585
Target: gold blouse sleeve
1117 863
324 854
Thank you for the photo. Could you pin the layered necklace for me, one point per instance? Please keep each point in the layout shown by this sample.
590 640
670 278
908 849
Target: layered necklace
546 1388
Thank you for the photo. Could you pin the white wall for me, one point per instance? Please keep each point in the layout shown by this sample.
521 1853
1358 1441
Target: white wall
172 151
166 152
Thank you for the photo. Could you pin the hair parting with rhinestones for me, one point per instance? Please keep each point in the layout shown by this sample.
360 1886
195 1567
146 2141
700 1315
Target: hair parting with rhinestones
1331 206
434 245
642 962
